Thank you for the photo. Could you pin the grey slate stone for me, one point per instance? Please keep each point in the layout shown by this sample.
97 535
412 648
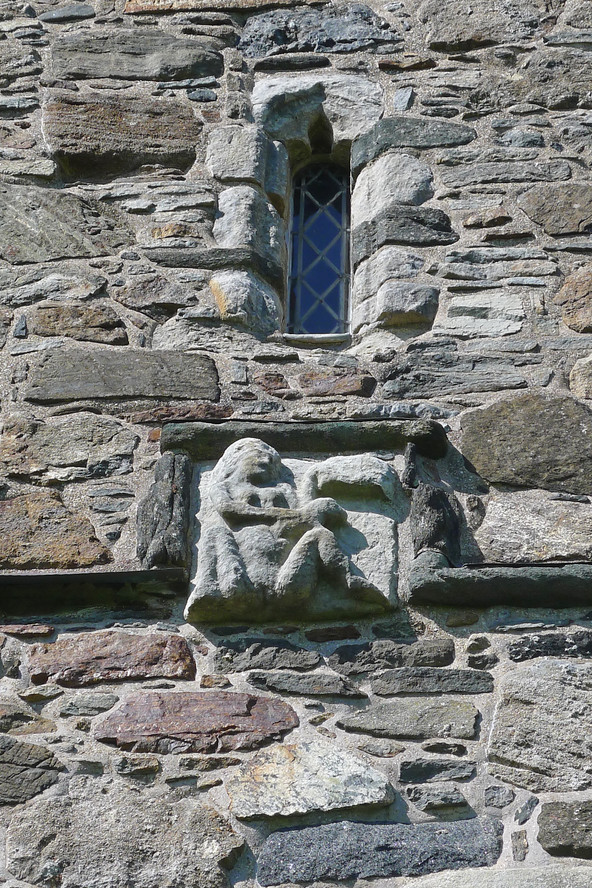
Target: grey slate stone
435 798
75 12
441 372
78 374
350 27
261 653
401 224
427 770
429 680
565 829
25 770
341 851
317 684
132 54
39 225
551 644
415 719
498 796
163 516
482 173
358 659
87 704
506 444
403 131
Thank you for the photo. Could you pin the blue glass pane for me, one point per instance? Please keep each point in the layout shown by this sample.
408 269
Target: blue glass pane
319 242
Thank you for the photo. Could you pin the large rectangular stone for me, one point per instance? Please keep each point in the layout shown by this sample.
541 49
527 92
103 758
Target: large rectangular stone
346 850
77 374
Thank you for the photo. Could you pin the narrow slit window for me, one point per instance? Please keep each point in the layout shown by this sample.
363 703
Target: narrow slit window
319 252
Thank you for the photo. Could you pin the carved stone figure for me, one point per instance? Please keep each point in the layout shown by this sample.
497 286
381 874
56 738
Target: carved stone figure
271 548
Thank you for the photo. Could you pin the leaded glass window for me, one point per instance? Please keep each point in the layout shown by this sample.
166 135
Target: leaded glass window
319 252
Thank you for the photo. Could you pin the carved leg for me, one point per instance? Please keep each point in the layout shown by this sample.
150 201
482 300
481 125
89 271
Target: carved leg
221 570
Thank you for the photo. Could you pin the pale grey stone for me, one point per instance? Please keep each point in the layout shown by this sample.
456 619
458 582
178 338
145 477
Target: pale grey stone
541 727
527 877
74 12
87 704
287 107
469 315
246 219
449 28
312 775
565 829
113 835
580 378
77 374
533 525
249 565
134 54
68 448
311 684
389 263
391 179
245 153
481 173
37 225
345 850
396 304
42 283
437 372
415 719
404 131
244 299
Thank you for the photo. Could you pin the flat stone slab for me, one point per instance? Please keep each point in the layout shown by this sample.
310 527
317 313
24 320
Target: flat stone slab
40 225
193 721
297 779
535 585
92 657
114 837
38 531
430 680
78 374
415 719
359 659
532 440
565 829
551 644
341 851
309 684
541 727
202 440
25 770
529 877
260 653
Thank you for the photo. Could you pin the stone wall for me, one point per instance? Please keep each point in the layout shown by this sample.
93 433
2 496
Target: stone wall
281 609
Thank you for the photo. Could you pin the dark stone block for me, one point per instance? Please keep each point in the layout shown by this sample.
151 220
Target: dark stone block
427 770
401 224
429 680
163 516
357 659
552 644
346 850
25 770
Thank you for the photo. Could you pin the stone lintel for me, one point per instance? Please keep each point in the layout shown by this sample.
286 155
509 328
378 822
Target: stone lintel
566 584
204 441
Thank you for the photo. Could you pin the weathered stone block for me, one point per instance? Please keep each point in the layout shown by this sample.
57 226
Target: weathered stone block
565 829
575 299
70 448
348 28
511 171
423 770
40 532
113 835
431 680
246 220
403 131
560 209
551 644
77 374
415 719
25 770
390 180
193 721
315 684
450 29
92 657
342 851
441 372
400 224
358 659
134 54
163 516
116 133
580 378
527 877
40 225
245 299
245 153
85 322
292 779
255 653
288 108
396 304
506 444
541 727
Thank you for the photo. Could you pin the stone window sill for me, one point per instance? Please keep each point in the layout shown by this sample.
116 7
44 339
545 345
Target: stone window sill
314 340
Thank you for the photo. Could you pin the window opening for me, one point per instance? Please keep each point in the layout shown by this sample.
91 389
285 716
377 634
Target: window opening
319 252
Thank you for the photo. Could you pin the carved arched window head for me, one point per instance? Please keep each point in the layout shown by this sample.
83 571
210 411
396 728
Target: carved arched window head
318 286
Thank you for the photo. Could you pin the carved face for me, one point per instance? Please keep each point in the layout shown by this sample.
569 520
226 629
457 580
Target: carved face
250 460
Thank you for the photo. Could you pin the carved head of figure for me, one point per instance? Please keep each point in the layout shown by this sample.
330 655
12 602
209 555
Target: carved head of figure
249 460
